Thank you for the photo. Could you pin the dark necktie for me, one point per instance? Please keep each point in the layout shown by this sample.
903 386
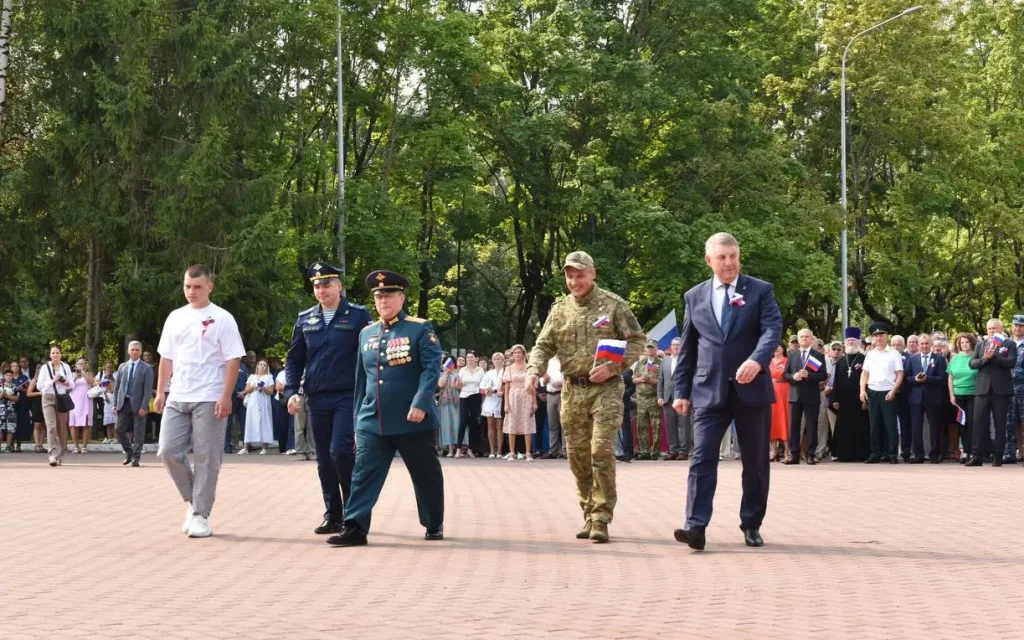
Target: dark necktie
131 378
803 357
726 311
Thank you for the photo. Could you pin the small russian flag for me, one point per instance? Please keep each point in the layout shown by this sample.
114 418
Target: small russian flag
998 339
449 363
961 415
603 321
813 363
611 350
651 367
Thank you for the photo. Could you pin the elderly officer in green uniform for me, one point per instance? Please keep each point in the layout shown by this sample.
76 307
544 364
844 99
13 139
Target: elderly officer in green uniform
592 392
648 415
397 368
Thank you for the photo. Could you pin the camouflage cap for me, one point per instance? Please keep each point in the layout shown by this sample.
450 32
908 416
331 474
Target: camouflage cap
651 343
1018 318
578 260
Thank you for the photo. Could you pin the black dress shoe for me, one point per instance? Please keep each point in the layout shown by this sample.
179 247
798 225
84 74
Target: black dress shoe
894 460
127 461
350 536
917 461
435 534
973 461
752 537
792 461
135 462
873 460
934 460
328 527
1009 461
812 460
997 462
694 538
906 457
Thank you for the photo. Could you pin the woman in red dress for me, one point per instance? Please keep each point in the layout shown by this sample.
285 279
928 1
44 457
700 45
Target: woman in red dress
780 410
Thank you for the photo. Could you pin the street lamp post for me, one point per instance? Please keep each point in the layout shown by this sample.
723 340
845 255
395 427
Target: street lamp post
842 138
341 152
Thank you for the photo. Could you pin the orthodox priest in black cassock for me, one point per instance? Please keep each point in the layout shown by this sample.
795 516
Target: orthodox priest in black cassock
850 441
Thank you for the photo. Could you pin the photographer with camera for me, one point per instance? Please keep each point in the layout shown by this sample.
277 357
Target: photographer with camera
54 381
259 412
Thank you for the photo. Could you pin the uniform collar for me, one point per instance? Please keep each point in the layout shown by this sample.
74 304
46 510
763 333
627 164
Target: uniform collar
393 321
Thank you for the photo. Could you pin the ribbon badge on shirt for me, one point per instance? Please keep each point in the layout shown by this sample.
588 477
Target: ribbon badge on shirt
603 321
736 300
206 325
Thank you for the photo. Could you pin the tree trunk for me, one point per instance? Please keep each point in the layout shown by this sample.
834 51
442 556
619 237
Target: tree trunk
5 55
92 306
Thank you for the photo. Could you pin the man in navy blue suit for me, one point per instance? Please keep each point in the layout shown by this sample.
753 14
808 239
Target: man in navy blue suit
731 328
926 376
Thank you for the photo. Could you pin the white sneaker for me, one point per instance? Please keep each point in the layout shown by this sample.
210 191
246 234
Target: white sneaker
263 451
492 456
200 528
519 456
243 451
290 452
188 519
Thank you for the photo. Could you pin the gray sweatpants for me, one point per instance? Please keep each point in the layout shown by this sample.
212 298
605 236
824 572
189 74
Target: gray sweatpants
193 424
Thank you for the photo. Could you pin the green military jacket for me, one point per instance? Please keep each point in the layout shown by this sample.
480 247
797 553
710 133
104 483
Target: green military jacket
573 328
642 368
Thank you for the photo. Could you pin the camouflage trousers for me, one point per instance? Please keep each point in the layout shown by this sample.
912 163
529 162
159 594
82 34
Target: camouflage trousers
648 426
1014 417
591 417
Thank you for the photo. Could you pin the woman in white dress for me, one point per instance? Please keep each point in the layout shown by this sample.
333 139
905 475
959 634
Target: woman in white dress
259 416
493 391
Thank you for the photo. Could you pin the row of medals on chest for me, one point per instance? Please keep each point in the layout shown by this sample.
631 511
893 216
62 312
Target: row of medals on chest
397 350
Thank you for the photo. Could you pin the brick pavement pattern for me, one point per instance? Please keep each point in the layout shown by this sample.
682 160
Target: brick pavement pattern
94 550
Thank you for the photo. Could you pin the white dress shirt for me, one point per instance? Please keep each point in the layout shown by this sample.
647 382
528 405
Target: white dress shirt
555 378
881 367
718 295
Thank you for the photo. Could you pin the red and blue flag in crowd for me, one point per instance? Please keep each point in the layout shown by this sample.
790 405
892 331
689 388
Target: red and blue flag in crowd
961 415
813 363
998 339
611 350
449 363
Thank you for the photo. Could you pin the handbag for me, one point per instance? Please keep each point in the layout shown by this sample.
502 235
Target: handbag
64 402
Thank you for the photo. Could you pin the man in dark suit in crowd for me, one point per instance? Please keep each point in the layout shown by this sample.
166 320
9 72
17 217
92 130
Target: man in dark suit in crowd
730 331
925 374
994 358
805 370
132 390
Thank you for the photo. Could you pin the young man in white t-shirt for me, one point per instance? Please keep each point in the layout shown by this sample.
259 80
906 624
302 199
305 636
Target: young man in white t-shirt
200 345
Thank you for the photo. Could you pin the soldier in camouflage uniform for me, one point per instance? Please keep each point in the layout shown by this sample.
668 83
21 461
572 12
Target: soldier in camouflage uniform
648 417
592 393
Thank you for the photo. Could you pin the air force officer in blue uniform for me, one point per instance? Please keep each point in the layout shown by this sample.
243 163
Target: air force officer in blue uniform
731 329
396 377
322 355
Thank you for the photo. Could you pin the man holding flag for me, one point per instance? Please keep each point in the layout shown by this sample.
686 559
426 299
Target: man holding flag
596 337
805 370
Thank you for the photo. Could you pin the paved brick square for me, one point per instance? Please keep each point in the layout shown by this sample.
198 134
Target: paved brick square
94 550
